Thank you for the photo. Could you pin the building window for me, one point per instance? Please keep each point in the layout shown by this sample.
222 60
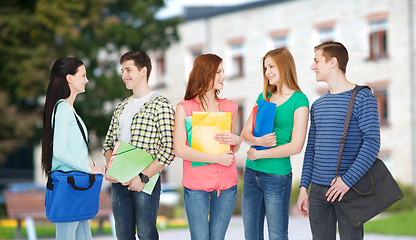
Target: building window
160 72
195 53
378 39
326 34
237 68
240 119
326 31
280 42
279 38
381 95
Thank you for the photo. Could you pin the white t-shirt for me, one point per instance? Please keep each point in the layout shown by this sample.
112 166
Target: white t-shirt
132 107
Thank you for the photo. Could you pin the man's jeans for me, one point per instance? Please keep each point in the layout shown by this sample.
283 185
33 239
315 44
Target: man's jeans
201 204
266 194
135 210
324 215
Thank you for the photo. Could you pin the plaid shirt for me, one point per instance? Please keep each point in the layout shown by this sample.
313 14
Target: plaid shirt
151 128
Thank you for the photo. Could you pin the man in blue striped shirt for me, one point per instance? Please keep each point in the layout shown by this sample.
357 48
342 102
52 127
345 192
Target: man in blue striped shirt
327 122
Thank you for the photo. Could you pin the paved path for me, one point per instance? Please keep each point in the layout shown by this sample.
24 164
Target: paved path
298 230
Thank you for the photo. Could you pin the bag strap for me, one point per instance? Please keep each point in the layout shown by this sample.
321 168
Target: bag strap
71 181
83 135
79 125
347 123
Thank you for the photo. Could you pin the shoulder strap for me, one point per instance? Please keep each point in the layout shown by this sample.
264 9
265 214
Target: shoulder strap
84 136
80 128
347 123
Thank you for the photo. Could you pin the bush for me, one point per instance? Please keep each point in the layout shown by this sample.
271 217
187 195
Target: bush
406 203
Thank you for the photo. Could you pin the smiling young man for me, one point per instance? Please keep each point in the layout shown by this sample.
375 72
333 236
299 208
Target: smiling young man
327 123
144 120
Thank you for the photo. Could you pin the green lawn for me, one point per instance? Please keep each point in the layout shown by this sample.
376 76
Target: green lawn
47 230
395 224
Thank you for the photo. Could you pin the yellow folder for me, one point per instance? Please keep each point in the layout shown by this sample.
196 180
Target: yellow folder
204 127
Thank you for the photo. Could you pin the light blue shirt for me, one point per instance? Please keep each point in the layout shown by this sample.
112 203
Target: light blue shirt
70 153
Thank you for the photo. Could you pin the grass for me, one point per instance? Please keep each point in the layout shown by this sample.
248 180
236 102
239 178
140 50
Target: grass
402 224
394 224
45 229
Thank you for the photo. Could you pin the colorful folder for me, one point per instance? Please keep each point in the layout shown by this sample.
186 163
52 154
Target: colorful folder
127 162
188 126
263 120
205 125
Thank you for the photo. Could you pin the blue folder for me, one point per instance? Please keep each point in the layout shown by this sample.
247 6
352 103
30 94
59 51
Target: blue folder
264 120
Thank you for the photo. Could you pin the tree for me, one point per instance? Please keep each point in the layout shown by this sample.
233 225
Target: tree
34 33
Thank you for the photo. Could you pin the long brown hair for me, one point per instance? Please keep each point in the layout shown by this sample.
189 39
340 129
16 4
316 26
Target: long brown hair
58 88
287 71
201 79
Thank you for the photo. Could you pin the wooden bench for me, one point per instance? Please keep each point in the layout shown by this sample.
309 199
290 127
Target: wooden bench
30 205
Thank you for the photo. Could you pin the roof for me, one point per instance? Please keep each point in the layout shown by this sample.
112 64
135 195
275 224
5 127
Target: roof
193 13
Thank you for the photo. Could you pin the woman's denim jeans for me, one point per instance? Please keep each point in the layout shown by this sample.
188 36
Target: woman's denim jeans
135 210
201 204
266 194
73 230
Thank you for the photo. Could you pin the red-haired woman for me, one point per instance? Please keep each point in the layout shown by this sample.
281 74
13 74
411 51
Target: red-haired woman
209 191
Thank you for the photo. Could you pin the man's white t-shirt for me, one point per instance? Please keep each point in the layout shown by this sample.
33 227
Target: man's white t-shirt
132 107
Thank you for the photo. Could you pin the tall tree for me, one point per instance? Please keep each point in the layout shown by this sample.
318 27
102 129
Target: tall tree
34 33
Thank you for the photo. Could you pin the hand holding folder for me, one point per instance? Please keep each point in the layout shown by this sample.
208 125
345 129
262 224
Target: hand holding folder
263 120
202 128
127 162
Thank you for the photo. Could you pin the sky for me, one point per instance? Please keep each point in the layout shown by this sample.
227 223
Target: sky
176 7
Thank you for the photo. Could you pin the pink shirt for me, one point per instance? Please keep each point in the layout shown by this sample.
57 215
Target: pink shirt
214 176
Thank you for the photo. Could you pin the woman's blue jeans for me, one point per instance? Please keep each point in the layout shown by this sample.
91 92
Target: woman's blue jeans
73 230
135 210
267 195
209 215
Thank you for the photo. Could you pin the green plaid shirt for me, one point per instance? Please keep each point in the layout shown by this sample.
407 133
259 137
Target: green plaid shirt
151 128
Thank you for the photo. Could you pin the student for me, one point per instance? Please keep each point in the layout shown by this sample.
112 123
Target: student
268 173
69 152
327 123
144 120
209 191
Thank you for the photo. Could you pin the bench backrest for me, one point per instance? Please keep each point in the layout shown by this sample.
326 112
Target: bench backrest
20 205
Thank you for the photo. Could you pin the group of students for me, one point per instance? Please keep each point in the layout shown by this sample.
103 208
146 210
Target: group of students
148 121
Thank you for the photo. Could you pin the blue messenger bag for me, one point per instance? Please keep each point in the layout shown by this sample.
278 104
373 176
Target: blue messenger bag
72 196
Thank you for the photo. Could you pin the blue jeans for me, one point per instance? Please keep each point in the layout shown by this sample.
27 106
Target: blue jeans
73 230
201 204
266 194
324 215
135 210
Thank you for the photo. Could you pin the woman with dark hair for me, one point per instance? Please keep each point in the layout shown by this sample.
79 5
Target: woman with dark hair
209 191
67 151
268 173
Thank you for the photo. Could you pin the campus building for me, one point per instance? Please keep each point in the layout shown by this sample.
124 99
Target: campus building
379 35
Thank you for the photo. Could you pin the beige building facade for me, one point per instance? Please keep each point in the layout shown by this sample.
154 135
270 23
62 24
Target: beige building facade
377 33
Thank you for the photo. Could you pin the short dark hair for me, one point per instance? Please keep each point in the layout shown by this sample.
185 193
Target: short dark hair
332 49
140 60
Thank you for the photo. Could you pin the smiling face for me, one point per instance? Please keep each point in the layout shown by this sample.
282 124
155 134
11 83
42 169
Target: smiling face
131 75
78 81
271 71
219 78
321 67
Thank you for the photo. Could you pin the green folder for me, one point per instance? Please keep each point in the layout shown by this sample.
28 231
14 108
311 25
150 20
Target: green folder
188 125
127 162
